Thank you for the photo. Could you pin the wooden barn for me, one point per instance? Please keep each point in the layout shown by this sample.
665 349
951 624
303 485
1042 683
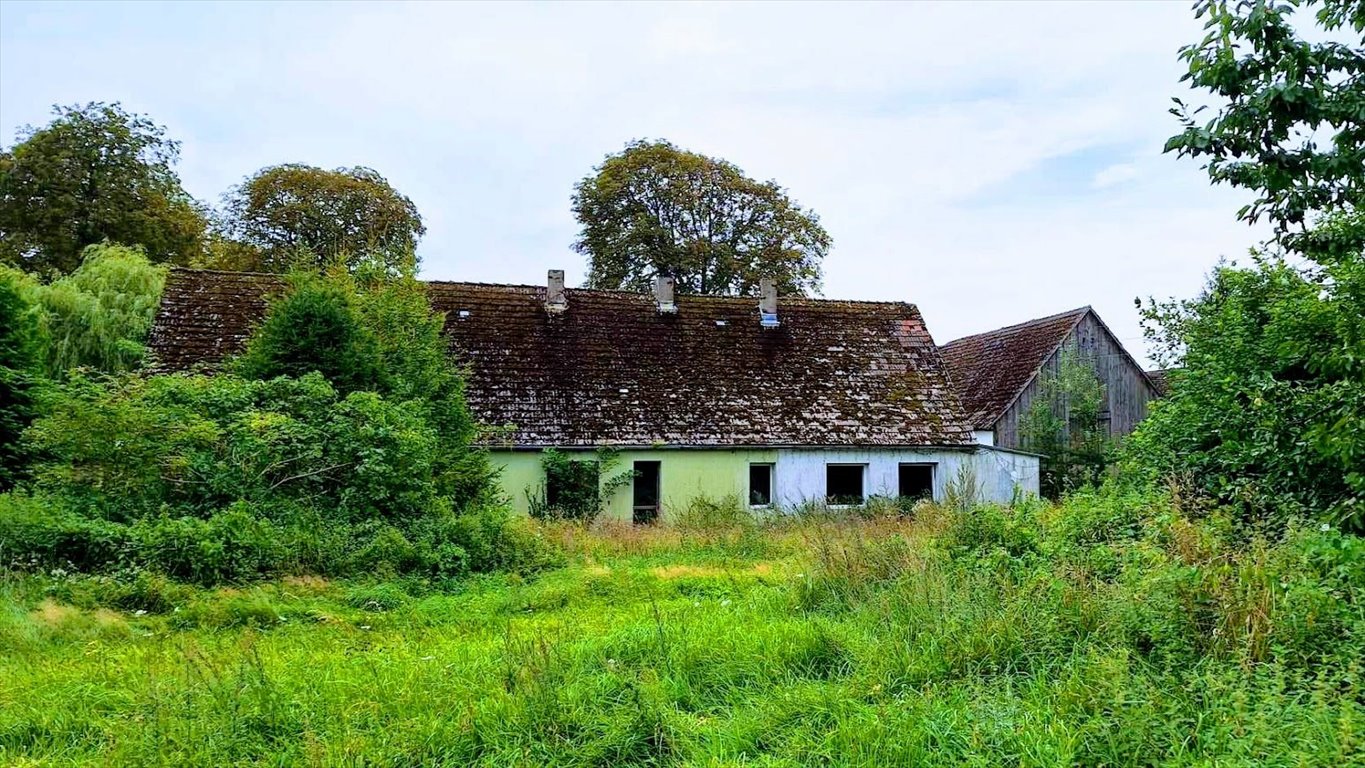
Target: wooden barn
999 373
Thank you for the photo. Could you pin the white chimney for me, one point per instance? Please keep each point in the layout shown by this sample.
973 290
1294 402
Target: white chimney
663 295
555 300
767 302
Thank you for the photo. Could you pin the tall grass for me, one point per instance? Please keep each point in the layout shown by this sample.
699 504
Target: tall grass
1111 631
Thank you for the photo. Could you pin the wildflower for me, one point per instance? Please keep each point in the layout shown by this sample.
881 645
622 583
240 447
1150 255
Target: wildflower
364 626
139 612
1325 527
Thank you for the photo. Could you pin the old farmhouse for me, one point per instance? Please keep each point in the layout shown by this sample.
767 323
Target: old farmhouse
998 374
779 402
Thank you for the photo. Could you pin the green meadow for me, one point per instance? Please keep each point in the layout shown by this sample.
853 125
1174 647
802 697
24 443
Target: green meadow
1112 631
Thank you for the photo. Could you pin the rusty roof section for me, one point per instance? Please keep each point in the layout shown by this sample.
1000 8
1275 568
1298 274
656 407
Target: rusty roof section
990 369
612 370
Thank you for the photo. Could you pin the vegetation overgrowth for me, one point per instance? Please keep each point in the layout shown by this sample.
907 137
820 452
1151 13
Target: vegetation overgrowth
1118 628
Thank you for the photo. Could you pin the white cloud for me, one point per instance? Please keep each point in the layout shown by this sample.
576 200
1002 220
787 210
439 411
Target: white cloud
890 120
1114 175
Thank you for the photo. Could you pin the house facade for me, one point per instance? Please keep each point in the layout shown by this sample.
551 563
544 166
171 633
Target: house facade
776 403
999 374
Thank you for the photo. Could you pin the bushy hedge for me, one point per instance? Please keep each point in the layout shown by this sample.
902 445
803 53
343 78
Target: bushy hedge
350 454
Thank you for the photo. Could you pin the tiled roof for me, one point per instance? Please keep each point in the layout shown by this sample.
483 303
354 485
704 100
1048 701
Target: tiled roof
991 369
612 370
1161 380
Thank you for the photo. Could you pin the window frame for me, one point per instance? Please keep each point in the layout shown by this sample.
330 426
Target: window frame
772 484
933 475
862 484
654 511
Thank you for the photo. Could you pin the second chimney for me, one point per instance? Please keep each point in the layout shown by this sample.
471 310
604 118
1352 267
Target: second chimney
555 299
663 295
767 302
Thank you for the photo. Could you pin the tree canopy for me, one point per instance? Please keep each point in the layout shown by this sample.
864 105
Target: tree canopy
95 173
1289 114
654 209
294 215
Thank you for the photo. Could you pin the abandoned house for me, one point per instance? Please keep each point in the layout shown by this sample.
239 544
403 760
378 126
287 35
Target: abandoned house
998 374
778 401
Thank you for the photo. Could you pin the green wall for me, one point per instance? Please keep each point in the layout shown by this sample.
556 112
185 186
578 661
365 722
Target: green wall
683 475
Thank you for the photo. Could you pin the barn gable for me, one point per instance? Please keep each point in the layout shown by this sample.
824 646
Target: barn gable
998 373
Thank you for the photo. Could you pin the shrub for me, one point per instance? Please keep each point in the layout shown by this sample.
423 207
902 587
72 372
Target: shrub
574 488
19 355
315 327
232 545
196 444
37 532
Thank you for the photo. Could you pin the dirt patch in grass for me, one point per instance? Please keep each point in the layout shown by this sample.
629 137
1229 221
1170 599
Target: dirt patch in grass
311 585
681 571
53 614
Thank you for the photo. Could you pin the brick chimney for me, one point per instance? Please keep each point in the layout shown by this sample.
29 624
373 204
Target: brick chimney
767 302
555 300
663 295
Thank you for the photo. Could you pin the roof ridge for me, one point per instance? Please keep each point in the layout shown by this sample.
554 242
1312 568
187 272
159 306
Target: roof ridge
604 291
1021 326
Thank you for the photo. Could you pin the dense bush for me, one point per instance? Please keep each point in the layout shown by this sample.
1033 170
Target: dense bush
372 332
19 356
1265 412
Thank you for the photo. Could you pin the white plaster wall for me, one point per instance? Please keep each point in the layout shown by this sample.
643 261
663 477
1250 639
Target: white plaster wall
1001 472
984 436
800 472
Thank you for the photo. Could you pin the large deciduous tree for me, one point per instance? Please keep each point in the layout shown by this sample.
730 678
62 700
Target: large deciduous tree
95 173
1289 114
295 215
654 209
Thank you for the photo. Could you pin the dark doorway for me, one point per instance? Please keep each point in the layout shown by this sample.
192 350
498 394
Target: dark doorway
844 483
917 481
646 492
760 485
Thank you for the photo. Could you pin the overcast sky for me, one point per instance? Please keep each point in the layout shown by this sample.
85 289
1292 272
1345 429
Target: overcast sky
991 162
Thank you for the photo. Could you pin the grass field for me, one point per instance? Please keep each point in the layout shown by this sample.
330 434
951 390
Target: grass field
820 642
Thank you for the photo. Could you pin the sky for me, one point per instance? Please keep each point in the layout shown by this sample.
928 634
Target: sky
989 162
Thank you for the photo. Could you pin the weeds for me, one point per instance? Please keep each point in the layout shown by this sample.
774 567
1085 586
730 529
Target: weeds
1110 631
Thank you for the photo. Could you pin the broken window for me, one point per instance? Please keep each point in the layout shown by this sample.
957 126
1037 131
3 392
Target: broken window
760 485
645 501
916 481
571 488
844 483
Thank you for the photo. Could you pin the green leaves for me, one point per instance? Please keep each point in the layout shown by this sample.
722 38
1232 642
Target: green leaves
1290 119
289 216
94 174
654 209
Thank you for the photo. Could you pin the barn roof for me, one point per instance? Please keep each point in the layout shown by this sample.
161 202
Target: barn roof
990 369
612 370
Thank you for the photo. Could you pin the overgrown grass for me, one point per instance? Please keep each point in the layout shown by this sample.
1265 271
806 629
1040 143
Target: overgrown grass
1113 631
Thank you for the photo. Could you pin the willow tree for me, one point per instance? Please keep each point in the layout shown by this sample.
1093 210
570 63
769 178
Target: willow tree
99 316
654 209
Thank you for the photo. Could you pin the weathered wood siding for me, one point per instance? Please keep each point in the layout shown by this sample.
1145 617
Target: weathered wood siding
1127 390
